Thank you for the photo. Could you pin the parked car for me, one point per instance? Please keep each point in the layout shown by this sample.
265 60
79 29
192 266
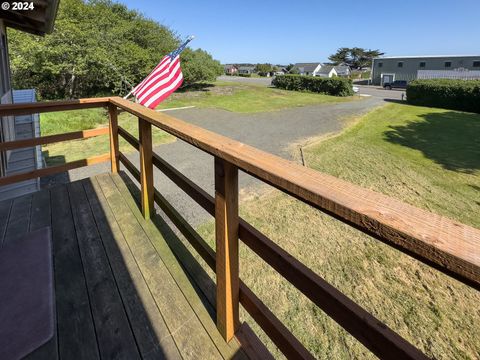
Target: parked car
397 84
355 89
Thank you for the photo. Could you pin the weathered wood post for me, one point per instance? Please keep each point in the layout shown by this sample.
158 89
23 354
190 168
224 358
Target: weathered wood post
226 233
146 167
113 132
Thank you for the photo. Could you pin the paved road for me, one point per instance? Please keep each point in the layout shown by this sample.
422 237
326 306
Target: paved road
380 93
268 131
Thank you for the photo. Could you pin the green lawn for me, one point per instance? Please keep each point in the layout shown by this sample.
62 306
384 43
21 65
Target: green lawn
67 121
426 157
248 98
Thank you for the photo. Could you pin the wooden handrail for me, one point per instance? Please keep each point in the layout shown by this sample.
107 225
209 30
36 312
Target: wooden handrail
50 139
52 106
6 180
447 245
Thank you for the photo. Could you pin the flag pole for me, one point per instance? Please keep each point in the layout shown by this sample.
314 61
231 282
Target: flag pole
175 52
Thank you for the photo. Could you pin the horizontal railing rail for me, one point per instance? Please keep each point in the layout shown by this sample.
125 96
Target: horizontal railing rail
444 244
52 106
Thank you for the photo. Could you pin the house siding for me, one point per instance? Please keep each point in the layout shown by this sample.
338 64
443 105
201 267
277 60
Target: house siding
411 65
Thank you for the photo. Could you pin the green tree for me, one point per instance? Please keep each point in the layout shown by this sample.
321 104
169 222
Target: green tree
98 47
263 69
355 57
198 66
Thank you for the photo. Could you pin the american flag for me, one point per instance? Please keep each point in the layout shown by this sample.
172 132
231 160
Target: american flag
162 81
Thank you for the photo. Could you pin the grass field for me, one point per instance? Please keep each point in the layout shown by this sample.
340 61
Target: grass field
427 157
248 98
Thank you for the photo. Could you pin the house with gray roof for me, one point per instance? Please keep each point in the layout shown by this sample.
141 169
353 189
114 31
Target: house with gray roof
246 70
327 71
342 70
307 68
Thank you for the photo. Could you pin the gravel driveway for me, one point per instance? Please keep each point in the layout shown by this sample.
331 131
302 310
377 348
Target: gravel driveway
268 131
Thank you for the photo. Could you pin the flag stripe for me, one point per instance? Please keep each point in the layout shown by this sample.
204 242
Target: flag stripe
162 81
155 71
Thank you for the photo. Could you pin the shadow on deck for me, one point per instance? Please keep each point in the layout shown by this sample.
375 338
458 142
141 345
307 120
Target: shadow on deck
120 291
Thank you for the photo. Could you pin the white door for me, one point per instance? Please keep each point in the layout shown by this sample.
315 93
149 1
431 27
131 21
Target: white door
387 78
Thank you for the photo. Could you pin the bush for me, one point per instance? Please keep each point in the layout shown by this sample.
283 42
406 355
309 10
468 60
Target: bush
245 75
329 86
463 95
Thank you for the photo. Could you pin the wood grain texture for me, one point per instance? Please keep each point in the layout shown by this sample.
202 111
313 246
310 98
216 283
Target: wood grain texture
54 169
146 167
50 139
447 245
52 106
226 239
113 133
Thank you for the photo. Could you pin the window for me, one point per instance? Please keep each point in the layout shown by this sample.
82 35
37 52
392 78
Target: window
476 64
448 64
423 64
400 64
380 64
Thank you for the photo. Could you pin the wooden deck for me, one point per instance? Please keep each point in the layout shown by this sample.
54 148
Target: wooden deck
120 291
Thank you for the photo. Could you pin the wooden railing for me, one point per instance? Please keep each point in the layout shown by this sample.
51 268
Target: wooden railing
446 245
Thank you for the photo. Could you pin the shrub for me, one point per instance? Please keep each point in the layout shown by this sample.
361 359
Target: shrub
245 75
463 95
330 86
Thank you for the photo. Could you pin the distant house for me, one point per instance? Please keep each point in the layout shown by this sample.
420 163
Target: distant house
246 70
280 70
307 68
327 71
230 69
343 70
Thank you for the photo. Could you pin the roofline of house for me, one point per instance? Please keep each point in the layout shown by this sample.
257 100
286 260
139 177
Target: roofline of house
424 56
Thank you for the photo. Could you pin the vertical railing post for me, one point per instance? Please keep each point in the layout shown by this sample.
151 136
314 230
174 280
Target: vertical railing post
113 132
226 234
146 167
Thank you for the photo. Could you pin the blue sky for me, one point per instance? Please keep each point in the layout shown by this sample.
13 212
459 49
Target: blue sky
283 32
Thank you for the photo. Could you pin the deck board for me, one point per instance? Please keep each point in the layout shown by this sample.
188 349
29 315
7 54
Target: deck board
152 334
40 217
114 335
5 209
186 329
19 220
76 331
120 291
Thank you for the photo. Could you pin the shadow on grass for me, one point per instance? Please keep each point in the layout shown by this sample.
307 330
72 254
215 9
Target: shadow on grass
196 87
451 139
